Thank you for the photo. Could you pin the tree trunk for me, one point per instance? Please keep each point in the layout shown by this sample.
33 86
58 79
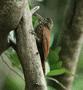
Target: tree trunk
28 53
71 42
10 14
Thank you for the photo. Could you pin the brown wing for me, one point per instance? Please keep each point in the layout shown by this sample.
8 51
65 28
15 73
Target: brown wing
46 41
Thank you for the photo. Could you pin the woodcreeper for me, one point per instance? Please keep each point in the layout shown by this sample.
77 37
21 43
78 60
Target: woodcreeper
42 31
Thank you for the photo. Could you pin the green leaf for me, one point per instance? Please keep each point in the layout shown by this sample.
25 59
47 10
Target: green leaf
53 55
34 21
53 58
56 72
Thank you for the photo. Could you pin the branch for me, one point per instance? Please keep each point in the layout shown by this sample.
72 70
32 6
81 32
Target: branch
28 53
33 10
59 83
71 42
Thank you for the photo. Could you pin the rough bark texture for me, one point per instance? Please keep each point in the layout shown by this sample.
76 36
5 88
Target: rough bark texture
71 41
28 53
10 14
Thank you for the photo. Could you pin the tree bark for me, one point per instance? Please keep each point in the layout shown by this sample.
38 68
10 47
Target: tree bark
10 14
28 53
71 42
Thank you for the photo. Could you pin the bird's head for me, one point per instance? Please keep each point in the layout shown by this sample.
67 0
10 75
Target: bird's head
49 23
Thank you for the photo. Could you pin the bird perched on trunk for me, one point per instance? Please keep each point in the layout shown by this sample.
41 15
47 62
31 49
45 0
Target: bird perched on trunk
42 31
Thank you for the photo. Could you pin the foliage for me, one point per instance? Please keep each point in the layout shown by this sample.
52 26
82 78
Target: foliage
53 58
34 21
77 85
11 54
55 64
56 72
13 82
51 88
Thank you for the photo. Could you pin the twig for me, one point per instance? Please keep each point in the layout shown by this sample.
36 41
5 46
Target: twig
55 80
35 9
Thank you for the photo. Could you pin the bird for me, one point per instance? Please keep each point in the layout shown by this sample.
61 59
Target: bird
43 31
